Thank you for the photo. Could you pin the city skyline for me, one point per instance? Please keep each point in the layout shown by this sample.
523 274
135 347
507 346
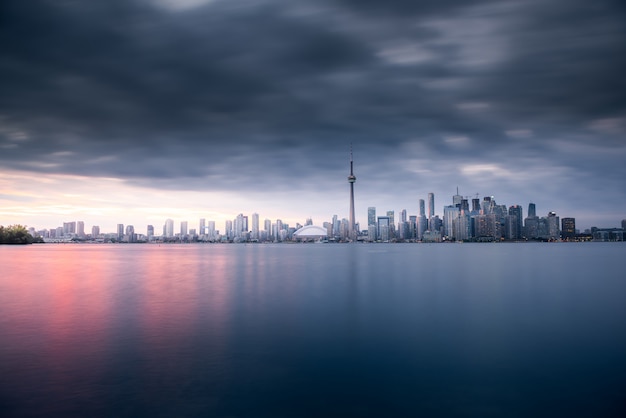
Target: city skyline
140 111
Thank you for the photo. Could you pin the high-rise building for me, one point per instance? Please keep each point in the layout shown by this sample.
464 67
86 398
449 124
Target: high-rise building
150 232
515 230
431 205
279 228
69 228
475 205
267 226
371 232
168 228
532 211
422 208
450 214
211 230
351 180
485 227
462 226
202 226
457 199
383 232
255 226
413 226
371 216
228 229
238 226
391 216
553 226
130 234
568 229
120 231
95 231
488 205
183 229
80 229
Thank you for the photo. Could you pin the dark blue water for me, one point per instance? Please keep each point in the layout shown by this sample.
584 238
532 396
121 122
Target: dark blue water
488 330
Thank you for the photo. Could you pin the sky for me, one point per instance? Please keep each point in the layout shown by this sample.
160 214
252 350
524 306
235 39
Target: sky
135 111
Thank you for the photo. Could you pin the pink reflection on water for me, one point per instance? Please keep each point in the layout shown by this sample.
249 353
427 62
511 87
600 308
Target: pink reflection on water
183 307
56 320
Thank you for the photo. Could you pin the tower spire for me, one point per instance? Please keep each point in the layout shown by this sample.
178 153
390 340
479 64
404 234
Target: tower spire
351 180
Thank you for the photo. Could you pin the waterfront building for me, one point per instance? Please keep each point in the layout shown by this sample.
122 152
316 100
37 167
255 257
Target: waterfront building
422 207
168 228
80 229
202 226
412 226
228 229
553 226
255 226
69 229
382 234
150 232
516 210
450 213
475 206
211 230
431 205
267 227
371 232
462 226
130 234
457 199
422 227
183 229
279 228
371 216
95 231
568 229
485 227
392 224
120 232
532 210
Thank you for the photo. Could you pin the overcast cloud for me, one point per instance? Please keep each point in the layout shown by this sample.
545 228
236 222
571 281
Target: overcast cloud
523 100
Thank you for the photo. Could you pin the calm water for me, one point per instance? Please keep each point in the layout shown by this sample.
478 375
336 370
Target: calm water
514 330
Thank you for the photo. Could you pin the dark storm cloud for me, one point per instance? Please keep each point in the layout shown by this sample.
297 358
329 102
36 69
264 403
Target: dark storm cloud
229 91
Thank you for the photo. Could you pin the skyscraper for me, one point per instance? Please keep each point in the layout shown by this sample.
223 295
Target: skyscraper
431 205
422 208
168 228
456 199
371 216
80 229
255 226
351 180
516 230
568 228
532 211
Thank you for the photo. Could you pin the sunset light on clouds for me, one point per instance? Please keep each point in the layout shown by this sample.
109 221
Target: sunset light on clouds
137 111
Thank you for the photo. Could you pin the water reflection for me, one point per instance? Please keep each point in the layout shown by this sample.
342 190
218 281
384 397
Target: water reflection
254 330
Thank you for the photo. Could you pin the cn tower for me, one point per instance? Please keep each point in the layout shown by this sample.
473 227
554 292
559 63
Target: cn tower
351 180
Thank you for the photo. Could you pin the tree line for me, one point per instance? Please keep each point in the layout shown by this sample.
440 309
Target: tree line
17 234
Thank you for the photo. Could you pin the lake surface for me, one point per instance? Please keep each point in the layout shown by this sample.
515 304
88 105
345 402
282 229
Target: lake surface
489 330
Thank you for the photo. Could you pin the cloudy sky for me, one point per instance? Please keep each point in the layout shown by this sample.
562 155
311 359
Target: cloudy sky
134 111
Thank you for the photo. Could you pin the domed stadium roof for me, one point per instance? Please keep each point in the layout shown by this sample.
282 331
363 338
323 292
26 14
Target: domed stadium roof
311 231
